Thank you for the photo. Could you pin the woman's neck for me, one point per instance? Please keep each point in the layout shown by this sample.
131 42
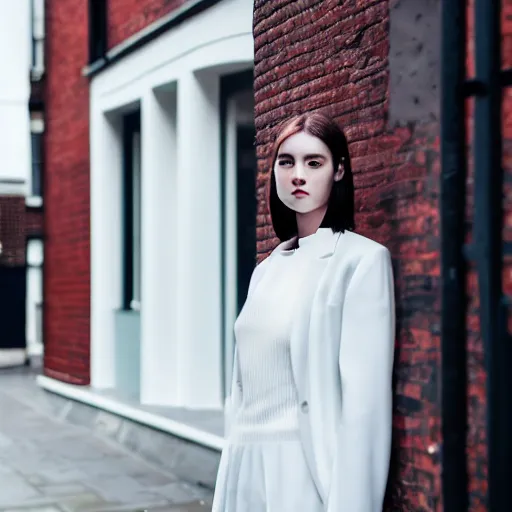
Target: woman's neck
308 223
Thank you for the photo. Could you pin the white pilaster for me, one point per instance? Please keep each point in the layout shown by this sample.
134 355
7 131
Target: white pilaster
106 231
14 97
34 297
161 355
198 248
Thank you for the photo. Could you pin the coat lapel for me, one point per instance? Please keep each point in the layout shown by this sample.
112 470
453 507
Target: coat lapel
318 257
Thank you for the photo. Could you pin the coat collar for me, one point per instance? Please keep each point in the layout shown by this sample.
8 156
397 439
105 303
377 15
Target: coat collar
322 244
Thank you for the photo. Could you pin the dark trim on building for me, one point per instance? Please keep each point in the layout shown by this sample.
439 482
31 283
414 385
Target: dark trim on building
34 236
454 474
12 181
131 125
488 232
35 105
97 24
229 85
34 209
146 35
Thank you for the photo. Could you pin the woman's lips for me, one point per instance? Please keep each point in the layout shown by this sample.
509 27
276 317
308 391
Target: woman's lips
300 193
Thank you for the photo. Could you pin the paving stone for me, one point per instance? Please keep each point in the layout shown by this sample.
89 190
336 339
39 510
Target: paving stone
36 480
68 489
197 506
5 441
32 509
82 502
63 475
180 492
107 424
16 489
154 479
111 467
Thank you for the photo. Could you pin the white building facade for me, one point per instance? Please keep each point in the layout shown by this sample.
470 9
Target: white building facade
173 221
21 60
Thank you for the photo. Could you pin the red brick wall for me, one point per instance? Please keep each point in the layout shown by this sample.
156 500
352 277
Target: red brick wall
334 55
127 17
67 208
17 222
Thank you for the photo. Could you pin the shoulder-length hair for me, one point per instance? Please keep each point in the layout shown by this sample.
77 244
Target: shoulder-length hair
340 209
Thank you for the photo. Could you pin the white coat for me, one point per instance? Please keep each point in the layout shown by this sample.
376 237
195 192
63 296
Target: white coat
342 348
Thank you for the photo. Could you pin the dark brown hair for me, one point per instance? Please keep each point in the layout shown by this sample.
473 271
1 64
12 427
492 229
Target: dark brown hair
340 209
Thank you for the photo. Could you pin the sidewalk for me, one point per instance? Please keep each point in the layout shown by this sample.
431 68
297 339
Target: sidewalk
47 465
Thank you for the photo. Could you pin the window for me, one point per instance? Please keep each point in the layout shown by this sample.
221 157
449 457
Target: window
132 212
36 177
38 34
97 29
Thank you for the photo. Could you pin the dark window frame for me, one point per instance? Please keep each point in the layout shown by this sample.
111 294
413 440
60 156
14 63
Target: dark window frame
131 126
35 41
229 85
37 161
97 15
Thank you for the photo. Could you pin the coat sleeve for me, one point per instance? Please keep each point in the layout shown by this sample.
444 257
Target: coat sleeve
362 455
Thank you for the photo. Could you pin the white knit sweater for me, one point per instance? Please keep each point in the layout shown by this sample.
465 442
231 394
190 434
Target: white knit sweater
270 403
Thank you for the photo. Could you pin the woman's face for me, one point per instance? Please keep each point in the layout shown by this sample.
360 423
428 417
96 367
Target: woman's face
304 173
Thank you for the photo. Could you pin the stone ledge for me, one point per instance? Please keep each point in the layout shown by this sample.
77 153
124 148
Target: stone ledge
192 457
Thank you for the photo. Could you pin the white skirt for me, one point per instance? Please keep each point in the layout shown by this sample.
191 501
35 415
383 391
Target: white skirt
265 476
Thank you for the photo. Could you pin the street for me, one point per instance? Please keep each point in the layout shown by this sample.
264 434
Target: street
47 465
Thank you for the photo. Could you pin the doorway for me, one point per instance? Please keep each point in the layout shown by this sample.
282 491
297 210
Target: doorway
13 291
239 203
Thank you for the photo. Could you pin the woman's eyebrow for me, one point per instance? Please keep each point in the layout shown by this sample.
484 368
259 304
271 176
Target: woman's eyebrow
306 157
317 155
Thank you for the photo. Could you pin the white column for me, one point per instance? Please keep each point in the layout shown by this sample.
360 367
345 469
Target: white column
106 226
230 248
198 241
34 297
15 147
160 350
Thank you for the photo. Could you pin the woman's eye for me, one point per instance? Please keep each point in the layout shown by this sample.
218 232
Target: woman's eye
285 162
314 163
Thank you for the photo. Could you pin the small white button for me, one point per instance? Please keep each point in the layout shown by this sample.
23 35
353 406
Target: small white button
304 406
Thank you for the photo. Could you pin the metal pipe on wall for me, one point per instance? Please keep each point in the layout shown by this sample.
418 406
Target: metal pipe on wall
453 200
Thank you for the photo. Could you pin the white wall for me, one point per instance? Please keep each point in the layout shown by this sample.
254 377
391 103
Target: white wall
34 296
15 55
176 80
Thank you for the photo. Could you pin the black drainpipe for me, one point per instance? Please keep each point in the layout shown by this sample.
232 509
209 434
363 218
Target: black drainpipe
488 225
453 271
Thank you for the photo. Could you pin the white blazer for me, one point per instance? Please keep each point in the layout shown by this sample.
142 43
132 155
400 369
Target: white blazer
342 349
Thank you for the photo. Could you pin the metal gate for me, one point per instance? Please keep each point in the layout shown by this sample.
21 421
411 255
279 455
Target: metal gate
488 250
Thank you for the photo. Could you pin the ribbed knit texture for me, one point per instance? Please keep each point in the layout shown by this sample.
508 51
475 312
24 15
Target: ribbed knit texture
270 403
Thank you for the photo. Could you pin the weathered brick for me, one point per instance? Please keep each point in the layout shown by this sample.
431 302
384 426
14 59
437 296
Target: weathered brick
17 222
127 17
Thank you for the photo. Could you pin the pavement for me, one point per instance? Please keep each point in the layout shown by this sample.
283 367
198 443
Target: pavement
48 465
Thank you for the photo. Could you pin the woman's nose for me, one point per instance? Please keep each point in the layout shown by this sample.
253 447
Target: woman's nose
298 176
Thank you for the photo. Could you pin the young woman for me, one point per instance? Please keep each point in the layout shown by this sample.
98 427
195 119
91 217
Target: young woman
309 414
